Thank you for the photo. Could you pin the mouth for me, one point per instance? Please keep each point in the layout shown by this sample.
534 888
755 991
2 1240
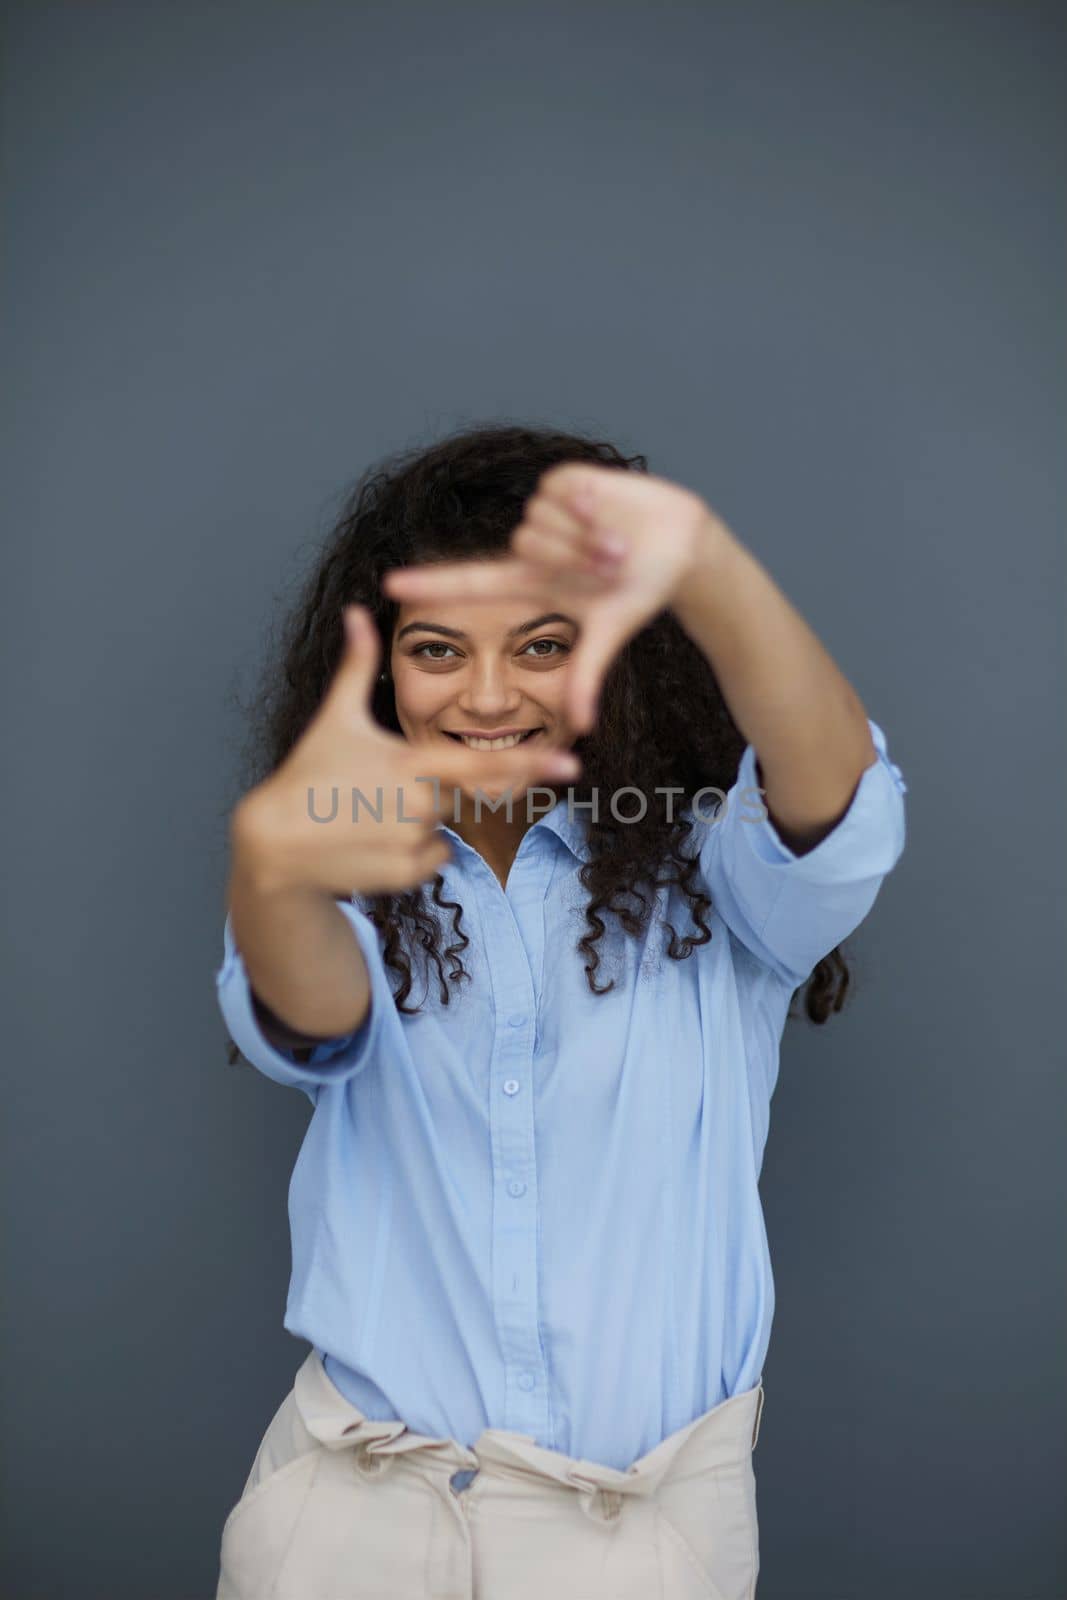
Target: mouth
508 742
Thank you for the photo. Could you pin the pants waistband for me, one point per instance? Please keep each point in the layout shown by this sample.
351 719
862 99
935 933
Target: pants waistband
724 1436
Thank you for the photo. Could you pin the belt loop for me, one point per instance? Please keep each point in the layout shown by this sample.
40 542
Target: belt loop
759 1414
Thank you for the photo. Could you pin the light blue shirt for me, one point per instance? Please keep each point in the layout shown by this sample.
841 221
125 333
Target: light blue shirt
537 1208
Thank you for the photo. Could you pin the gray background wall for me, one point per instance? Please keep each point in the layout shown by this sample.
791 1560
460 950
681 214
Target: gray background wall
808 257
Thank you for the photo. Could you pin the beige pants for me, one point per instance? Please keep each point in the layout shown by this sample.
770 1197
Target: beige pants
341 1507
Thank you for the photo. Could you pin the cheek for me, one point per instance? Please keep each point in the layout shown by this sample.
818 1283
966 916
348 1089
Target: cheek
552 694
418 696
418 690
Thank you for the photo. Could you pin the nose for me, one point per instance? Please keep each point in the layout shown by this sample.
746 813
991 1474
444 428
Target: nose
489 691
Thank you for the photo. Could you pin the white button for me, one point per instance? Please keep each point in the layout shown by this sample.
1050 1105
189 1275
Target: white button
512 1086
526 1380
518 1020
516 1188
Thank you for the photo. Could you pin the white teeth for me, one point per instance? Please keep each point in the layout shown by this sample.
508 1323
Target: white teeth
492 744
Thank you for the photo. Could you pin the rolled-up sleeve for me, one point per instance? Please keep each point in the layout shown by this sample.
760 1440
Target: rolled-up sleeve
329 1062
792 910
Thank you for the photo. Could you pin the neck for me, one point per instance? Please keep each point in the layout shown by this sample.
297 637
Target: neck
496 837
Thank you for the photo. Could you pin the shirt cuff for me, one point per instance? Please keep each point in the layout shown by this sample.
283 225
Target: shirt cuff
333 1061
791 910
764 836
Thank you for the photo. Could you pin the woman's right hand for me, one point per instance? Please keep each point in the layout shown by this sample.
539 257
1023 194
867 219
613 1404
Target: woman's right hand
273 830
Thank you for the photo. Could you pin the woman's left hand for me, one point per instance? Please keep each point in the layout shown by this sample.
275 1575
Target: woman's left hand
609 546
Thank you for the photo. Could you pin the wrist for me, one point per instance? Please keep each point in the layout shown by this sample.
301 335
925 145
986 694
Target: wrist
256 858
711 546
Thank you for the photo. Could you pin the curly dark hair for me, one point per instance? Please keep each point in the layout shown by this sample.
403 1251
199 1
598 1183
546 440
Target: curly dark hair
662 720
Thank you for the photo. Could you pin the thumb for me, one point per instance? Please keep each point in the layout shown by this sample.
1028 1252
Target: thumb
354 679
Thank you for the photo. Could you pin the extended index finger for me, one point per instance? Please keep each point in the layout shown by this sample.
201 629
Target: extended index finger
467 580
462 767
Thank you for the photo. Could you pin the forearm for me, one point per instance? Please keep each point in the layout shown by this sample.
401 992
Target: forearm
782 688
302 958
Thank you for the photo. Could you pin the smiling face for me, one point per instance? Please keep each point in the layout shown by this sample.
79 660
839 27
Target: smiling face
465 672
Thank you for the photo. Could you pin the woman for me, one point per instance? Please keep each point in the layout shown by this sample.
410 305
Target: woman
540 1039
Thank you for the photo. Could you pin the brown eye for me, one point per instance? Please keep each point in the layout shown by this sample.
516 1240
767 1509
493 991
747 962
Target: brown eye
432 644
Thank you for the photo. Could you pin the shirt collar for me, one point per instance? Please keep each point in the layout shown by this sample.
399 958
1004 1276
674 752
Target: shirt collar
572 829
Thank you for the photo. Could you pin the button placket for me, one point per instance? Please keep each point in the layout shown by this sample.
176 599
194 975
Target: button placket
506 922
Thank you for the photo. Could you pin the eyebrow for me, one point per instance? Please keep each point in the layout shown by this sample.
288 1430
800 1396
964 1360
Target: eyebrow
513 633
